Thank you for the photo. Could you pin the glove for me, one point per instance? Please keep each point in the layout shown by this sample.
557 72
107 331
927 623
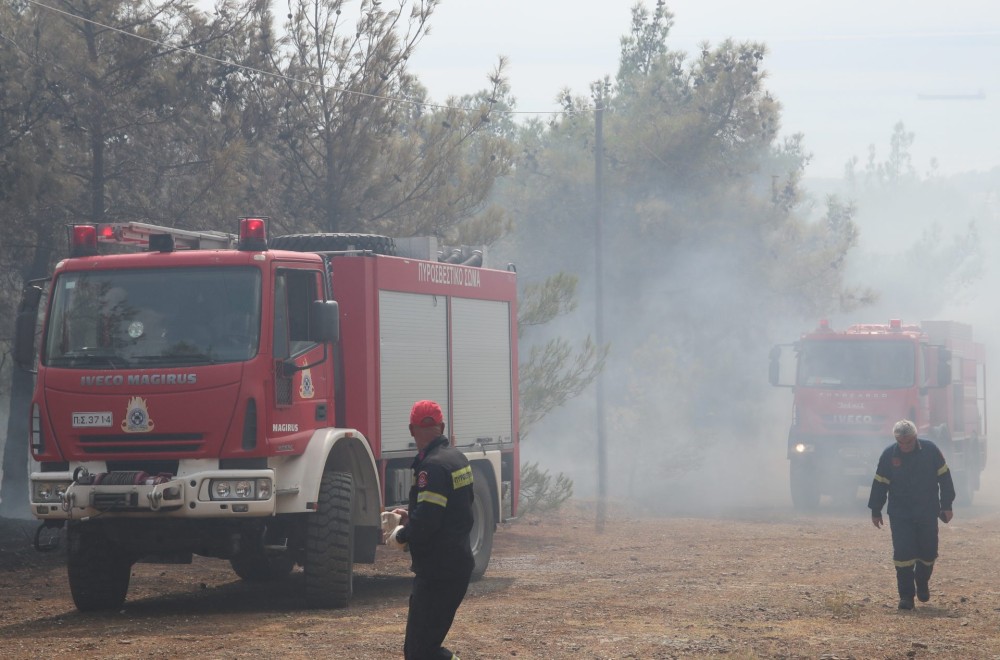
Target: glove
390 521
392 542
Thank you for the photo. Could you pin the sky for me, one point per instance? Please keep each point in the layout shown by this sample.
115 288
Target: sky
845 72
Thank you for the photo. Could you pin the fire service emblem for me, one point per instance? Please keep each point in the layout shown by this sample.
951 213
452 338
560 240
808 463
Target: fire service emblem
306 390
137 417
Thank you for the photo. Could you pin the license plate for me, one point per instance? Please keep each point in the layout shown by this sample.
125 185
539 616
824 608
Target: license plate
92 419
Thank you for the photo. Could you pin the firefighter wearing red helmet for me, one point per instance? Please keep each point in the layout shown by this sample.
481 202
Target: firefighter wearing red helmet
435 528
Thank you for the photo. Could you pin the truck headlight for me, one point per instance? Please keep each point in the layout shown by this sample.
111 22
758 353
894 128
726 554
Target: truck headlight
263 489
240 489
48 491
221 490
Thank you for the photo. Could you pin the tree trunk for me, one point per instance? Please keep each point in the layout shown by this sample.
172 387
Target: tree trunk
14 486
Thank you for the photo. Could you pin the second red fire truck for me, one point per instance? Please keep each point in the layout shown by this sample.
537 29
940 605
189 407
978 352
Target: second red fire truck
851 386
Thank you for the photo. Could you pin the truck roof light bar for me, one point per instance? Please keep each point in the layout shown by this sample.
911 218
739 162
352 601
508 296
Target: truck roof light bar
145 235
253 234
82 240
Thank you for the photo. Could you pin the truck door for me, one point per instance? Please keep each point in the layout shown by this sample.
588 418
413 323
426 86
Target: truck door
302 373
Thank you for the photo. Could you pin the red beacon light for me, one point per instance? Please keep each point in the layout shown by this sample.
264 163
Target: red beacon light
106 232
82 240
253 234
824 325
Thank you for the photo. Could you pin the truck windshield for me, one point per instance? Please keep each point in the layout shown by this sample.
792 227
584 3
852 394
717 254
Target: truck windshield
856 364
153 317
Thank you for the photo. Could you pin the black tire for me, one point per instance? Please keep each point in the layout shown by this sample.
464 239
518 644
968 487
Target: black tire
961 460
253 564
844 494
334 243
964 490
99 573
483 523
329 546
804 487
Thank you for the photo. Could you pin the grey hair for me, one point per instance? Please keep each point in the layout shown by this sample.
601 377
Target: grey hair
904 428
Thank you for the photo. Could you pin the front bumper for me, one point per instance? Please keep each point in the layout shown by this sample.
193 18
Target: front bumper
834 455
61 496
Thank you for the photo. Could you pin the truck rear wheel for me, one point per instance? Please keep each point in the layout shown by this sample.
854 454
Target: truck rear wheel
329 545
98 572
483 523
804 487
964 488
334 243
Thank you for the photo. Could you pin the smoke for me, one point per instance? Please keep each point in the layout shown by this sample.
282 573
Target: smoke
692 424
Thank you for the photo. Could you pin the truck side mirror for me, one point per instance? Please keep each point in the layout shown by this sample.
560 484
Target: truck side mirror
944 367
324 321
774 368
24 327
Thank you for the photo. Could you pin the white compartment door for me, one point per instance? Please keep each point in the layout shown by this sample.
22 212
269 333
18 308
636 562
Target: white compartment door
413 360
481 373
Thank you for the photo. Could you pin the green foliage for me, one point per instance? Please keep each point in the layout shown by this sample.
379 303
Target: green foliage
541 302
554 373
539 492
646 42
897 167
707 238
703 220
353 154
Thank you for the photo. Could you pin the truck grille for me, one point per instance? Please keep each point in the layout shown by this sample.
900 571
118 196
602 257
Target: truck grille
146 444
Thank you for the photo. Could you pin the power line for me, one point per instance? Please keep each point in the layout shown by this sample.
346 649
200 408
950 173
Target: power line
282 76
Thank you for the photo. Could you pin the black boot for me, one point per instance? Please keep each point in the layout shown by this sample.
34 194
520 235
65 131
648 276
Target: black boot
905 586
922 576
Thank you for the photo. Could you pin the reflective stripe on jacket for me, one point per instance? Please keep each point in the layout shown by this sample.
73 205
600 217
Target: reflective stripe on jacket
917 484
440 512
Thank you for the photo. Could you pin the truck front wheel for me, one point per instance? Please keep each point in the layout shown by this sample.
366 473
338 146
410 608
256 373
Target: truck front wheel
804 487
964 487
98 572
329 544
483 523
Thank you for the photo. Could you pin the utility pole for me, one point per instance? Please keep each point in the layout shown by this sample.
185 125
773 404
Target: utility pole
602 452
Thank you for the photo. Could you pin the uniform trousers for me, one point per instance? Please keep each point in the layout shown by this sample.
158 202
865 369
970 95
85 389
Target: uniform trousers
433 604
914 549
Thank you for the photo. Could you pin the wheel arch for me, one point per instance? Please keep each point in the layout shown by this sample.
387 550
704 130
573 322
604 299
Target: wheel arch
331 450
489 464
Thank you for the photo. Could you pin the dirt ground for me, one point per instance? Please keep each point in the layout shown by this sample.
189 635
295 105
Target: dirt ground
752 583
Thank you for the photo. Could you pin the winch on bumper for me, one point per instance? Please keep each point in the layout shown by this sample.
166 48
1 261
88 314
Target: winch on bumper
207 494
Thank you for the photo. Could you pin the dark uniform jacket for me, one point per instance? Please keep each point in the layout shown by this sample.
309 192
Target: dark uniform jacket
440 513
918 483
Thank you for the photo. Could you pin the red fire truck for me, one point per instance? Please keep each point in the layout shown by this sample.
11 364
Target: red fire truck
224 396
851 386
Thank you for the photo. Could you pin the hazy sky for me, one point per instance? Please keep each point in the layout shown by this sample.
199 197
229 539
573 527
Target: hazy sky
845 72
